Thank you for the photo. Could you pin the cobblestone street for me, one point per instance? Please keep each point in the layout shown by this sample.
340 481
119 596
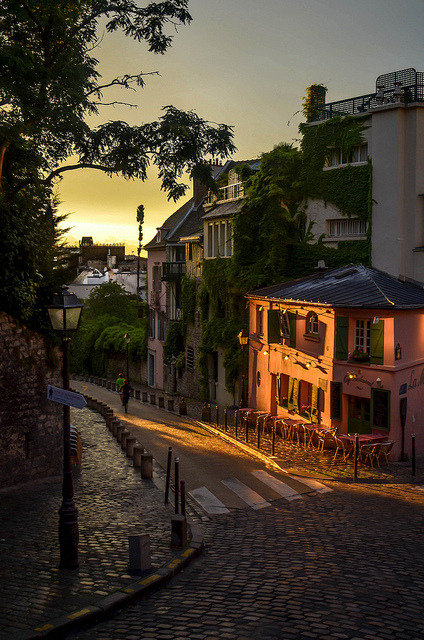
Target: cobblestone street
112 501
347 566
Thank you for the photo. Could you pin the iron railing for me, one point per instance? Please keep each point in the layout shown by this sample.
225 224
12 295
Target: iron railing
230 192
172 271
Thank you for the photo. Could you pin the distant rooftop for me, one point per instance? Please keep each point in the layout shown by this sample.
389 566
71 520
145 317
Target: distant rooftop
404 86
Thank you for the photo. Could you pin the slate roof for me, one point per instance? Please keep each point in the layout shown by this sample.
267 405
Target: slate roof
349 287
224 209
173 223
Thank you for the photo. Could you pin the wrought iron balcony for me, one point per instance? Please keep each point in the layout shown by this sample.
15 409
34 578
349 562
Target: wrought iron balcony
230 192
173 271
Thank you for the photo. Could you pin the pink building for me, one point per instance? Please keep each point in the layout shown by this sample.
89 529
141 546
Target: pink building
344 348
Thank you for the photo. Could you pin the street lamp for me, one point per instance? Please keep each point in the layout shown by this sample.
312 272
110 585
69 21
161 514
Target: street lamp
65 313
243 338
127 339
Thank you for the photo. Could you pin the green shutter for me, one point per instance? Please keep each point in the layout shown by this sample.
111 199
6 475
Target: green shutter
278 389
336 397
314 404
273 327
377 342
292 323
342 333
290 394
296 386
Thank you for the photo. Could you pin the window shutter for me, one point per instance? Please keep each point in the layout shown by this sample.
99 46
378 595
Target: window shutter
296 395
290 394
292 322
314 404
278 389
377 342
342 332
336 393
273 327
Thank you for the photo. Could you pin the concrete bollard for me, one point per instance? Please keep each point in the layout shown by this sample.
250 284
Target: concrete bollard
161 402
124 437
146 465
137 453
119 429
171 404
115 425
139 553
130 444
152 398
178 531
144 396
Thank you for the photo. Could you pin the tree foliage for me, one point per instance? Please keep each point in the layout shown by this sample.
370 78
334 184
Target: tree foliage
108 314
50 85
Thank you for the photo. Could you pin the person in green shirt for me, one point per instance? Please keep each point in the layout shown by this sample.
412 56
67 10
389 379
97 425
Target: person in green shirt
119 382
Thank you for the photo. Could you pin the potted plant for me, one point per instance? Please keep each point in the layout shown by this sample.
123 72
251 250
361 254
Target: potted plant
359 355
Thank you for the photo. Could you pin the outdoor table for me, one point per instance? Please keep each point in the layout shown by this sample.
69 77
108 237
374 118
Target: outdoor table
291 424
311 429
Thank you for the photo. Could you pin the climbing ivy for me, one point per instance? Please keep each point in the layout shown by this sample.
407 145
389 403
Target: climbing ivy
188 299
348 187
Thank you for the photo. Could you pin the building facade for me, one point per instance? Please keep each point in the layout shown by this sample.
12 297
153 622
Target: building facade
344 348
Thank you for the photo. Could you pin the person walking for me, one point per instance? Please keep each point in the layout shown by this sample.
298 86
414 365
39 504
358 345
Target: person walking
119 382
126 390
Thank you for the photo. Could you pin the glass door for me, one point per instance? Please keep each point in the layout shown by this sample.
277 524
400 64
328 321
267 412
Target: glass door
359 415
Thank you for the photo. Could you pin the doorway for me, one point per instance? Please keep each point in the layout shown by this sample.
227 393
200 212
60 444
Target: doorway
359 415
151 373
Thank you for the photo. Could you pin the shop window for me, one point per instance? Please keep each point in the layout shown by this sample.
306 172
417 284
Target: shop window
380 409
336 395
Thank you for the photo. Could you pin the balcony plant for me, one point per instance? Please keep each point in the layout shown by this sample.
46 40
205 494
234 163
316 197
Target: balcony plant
359 355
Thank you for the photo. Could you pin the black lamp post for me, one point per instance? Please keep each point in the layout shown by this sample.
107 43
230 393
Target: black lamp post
243 338
65 312
127 339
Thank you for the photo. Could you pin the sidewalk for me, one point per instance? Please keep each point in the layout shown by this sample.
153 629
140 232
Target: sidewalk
36 598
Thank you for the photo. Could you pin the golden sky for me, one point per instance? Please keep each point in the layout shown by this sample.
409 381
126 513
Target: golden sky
245 63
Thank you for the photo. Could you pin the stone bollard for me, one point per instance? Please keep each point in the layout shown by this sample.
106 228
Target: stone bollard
178 531
139 553
170 404
152 398
131 442
144 396
115 425
137 394
146 465
119 429
161 402
205 413
182 407
108 384
125 434
137 453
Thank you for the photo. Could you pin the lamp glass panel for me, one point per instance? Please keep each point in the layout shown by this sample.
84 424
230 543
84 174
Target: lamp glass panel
56 318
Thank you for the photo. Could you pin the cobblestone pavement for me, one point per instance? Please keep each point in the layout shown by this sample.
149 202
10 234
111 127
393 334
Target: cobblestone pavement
345 566
113 502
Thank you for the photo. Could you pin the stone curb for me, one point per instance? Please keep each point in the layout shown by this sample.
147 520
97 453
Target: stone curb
141 587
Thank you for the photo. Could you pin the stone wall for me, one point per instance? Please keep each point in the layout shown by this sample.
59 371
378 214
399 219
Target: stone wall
31 434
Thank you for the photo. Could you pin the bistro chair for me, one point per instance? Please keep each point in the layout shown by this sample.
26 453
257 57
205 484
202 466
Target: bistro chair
370 453
344 445
384 450
326 437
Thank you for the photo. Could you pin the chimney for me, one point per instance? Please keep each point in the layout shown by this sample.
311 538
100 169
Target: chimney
200 191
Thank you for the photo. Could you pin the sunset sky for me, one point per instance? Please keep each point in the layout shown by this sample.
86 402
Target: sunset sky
245 63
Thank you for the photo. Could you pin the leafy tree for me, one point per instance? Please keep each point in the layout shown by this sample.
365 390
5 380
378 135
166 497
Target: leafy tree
50 84
272 219
110 299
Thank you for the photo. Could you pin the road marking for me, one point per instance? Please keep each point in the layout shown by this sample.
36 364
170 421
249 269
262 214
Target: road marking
283 489
313 484
247 494
208 501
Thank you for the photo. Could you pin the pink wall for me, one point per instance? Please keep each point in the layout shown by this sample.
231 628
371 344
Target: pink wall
155 346
312 361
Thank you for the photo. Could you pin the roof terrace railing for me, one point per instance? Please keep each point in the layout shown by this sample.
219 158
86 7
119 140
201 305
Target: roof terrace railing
363 104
